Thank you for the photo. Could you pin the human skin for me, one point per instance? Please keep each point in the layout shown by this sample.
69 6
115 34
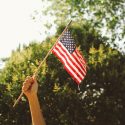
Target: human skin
30 88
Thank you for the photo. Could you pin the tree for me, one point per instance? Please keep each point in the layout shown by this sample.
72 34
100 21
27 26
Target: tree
106 16
100 100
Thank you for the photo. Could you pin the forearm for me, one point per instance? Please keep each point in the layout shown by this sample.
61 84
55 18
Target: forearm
36 113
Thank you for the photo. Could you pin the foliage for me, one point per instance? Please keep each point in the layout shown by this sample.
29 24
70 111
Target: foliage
100 101
106 16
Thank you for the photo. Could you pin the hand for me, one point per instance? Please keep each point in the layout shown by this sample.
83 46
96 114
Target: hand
30 86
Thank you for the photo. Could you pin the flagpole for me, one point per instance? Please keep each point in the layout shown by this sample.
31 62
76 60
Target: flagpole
36 72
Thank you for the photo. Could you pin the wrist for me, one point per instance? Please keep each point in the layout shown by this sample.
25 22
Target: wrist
32 96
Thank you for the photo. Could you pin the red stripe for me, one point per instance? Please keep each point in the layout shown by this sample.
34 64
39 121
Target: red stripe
72 75
57 56
67 69
83 66
72 61
70 69
80 56
68 63
76 61
80 63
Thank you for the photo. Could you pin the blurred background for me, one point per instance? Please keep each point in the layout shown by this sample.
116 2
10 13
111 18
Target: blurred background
29 28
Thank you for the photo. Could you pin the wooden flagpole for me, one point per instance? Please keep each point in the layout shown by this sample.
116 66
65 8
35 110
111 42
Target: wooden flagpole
36 72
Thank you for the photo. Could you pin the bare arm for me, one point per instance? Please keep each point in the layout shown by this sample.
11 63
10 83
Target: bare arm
30 87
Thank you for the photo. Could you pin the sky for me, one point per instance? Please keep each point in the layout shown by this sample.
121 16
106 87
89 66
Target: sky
17 26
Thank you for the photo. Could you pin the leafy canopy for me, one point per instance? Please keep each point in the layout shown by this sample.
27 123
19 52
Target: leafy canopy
100 101
106 16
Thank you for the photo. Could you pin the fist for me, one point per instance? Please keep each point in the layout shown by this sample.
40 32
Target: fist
30 86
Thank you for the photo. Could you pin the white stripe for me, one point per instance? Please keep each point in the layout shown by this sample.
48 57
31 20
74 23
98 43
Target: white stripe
72 57
71 64
67 65
78 59
81 58
84 65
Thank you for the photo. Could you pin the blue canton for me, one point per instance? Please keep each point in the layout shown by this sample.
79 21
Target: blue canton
68 41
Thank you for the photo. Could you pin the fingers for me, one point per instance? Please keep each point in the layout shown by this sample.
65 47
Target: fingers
27 83
29 79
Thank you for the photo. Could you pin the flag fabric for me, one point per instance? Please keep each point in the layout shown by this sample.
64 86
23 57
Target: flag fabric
73 61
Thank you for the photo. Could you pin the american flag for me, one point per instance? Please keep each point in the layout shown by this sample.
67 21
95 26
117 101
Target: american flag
73 61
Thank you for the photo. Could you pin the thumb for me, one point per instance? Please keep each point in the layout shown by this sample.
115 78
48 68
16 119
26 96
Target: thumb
34 78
